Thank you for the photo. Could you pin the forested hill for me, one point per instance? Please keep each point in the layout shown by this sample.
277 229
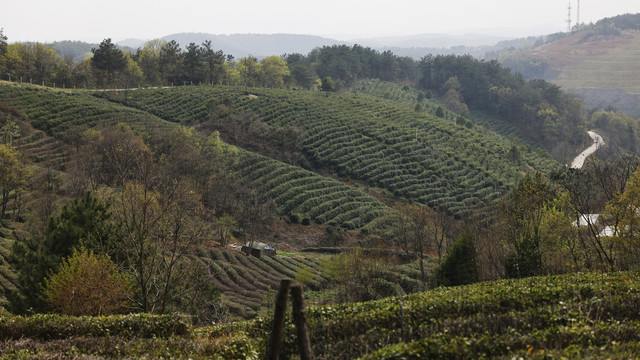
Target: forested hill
600 62
434 157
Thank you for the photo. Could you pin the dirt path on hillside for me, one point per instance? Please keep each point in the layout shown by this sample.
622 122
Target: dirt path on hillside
597 142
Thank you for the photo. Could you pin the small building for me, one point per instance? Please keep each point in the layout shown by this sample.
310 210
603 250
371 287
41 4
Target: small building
259 249
608 231
586 219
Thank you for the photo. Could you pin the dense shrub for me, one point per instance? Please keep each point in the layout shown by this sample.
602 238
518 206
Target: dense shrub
58 326
459 265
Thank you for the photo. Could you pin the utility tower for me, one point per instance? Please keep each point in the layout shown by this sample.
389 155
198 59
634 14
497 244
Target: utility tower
569 18
578 20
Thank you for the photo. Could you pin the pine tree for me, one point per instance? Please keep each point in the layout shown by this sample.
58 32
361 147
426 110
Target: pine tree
459 265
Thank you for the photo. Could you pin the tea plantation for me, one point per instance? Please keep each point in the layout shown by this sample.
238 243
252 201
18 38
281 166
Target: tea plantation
462 168
589 315
63 114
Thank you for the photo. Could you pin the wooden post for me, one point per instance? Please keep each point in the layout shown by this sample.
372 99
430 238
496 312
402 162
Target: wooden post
300 319
278 320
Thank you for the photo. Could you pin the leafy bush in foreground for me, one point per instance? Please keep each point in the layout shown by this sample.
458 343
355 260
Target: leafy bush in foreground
563 315
572 316
48 327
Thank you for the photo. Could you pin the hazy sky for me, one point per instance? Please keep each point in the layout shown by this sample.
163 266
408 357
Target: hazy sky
94 20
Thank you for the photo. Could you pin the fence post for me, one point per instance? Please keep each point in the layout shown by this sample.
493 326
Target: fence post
278 319
300 319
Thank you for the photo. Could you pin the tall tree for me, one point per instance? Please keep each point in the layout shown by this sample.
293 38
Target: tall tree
249 69
149 61
35 61
459 265
273 70
415 228
194 65
3 51
132 74
107 57
171 62
158 231
84 221
522 212
3 42
590 189
111 157
13 175
214 63
625 207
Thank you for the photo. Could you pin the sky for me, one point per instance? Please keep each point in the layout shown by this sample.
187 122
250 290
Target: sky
92 20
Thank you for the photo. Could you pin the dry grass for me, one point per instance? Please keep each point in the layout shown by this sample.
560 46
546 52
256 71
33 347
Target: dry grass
598 62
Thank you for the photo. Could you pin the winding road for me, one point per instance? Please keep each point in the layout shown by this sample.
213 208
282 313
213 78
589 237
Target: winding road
597 142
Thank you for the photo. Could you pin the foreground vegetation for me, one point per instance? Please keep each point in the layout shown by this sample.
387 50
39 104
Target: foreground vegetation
589 315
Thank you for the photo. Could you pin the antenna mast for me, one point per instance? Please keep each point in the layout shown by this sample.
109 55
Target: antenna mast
578 20
569 18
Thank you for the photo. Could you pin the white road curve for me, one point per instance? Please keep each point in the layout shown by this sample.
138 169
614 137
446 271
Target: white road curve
597 143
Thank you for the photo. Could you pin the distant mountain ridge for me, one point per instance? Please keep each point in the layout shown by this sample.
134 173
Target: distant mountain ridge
79 50
434 40
262 45
258 45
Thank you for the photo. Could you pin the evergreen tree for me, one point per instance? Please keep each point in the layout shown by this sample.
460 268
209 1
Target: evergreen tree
84 221
459 265
3 50
107 57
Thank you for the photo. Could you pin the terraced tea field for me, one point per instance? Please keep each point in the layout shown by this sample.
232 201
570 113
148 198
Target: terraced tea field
248 283
61 114
418 156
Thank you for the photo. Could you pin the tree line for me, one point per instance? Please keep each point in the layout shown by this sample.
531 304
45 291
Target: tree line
540 110
158 63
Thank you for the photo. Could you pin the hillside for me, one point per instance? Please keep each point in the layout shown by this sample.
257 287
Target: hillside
52 123
324 160
63 114
599 62
460 167
571 316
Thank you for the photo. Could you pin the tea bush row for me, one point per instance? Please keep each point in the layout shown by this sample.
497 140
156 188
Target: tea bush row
375 140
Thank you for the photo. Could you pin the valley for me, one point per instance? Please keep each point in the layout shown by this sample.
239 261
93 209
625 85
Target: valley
153 200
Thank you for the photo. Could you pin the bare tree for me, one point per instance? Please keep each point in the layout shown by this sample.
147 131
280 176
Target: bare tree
590 189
